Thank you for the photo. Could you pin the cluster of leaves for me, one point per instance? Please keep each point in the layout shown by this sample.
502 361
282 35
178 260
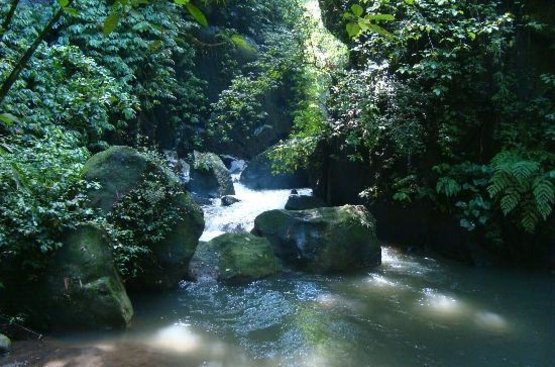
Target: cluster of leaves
150 56
41 196
142 218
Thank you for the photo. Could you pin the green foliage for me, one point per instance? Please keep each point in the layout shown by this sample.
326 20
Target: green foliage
150 58
523 187
41 196
142 218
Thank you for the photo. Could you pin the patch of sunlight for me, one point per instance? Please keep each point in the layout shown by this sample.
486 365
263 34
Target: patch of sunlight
491 321
437 304
106 347
57 363
329 301
315 359
176 338
381 281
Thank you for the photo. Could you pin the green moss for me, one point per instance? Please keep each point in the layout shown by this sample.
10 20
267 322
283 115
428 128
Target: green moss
235 257
322 240
82 289
117 169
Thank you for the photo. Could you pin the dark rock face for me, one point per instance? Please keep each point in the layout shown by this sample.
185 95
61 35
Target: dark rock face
5 344
229 200
234 257
323 240
210 177
258 175
81 288
303 202
120 169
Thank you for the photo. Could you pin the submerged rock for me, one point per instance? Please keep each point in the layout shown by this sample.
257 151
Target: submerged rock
258 175
303 202
82 289
5 344
229 200
323 240
210 177
234 257
122 169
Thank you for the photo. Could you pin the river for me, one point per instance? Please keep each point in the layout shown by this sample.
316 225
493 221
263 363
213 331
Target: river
410 311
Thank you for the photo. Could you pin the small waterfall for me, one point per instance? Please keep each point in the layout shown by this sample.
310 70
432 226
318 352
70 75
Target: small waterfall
240 216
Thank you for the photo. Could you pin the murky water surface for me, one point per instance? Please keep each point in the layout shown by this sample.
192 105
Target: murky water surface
411 311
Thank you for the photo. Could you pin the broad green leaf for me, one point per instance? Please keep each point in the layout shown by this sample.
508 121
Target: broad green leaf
353 29
357 10
8 119
241 42
72 11
111 23
380 17
181 2
197 14
63 3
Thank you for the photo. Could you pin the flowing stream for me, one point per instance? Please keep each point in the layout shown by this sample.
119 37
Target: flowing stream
411 311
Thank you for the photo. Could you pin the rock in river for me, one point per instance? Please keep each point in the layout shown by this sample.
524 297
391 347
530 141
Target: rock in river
5 344
234 257
322 240
82 289
120 170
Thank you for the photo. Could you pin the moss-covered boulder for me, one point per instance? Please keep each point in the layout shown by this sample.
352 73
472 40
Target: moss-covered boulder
234 257
81 287
145 200
118 170
210 177
5 344
322 240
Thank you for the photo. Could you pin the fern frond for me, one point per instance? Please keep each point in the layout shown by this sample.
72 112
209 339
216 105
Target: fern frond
529 221
509 202
524 169
544 195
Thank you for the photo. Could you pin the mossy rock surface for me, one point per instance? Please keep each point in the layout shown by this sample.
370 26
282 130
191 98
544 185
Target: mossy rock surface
323 240
81 288
210 177
118 170
234 257
121 169
168 262
5 344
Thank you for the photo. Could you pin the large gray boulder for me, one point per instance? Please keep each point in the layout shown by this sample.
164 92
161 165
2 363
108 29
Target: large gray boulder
234 257
81 288
5 344
323 240
210 177
259 175
120 170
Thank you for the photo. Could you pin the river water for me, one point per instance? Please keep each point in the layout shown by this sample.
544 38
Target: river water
411 311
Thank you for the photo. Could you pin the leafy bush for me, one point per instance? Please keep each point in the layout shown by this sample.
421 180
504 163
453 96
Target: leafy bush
41 196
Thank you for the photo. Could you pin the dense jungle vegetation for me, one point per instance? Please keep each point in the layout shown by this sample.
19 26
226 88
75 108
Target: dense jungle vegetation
445 105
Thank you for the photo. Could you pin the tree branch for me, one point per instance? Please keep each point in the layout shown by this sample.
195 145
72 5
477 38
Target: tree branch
22 63
9 18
